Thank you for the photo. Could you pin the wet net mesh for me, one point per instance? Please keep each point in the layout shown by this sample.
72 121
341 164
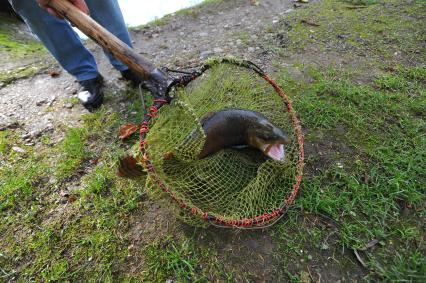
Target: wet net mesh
234 187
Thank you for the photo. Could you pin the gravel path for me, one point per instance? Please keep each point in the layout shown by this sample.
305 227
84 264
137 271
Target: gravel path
42 103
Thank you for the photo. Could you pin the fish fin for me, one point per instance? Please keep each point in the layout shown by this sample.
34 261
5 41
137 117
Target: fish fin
240 146
206 117
193 134
129 168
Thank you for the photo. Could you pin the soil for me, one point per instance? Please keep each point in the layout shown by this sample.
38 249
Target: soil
42 104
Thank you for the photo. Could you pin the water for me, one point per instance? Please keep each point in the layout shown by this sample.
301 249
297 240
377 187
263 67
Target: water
139 12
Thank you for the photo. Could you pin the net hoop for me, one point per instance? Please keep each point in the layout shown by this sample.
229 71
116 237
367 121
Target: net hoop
260 221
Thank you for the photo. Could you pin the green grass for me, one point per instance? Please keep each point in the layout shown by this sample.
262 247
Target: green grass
375 34
13 44
377 161
167 260
9 76
17 48
72 152
360 2
66 216
191 11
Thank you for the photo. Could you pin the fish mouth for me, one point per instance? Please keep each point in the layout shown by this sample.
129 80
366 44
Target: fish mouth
274 151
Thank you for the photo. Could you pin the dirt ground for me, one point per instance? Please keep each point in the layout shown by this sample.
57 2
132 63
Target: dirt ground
44 105
182 41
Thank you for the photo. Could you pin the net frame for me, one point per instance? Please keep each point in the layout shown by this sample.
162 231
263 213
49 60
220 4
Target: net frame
260 221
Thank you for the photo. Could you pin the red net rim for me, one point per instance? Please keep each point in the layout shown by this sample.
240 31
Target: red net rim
257 221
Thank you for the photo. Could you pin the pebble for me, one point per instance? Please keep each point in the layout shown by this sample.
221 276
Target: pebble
203 34
52 180
68 105
217 50
41 102
251 49
18 149
52 99
205 54
8 124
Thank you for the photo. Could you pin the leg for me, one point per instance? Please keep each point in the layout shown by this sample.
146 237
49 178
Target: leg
108 14
59 38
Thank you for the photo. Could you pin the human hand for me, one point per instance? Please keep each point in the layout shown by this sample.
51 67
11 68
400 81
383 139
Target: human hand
80 4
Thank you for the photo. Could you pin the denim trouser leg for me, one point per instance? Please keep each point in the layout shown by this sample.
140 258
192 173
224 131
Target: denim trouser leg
63 43
108 14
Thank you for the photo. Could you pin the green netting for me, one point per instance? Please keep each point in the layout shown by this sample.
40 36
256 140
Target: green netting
233 183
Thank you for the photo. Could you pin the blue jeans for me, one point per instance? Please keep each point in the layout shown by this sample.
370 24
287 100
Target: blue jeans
64 44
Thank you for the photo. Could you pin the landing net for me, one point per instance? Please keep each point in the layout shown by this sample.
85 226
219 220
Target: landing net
234 187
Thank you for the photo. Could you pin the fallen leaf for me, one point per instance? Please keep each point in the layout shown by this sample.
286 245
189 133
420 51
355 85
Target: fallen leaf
72 198
54 73
168 155
129 167
254 2
127 130
94 161
358 257
370 244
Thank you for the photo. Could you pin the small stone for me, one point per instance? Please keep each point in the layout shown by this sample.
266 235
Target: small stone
52 99
52 180
217 50
30 144
34 134
25 136
251 49
18 149
41 102
205 54
8 124
68 105
203 34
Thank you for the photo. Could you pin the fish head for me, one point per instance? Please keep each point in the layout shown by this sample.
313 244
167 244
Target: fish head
268 138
